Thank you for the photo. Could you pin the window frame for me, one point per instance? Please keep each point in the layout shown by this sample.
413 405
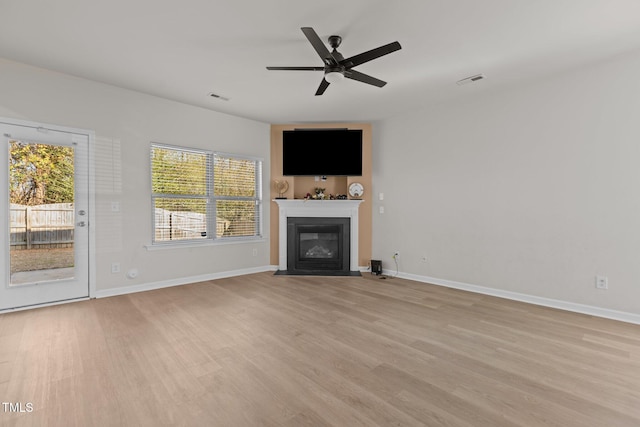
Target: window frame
210 199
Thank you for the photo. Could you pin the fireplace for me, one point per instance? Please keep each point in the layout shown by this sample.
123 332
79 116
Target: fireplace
323 253
317 245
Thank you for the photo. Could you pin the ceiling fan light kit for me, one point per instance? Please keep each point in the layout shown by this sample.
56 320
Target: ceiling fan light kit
336 67
334 76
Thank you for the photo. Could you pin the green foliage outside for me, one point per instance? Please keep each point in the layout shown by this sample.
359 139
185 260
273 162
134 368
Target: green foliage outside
236 178
40 174
178 172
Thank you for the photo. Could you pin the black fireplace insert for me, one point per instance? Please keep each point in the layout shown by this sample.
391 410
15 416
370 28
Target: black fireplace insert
318 246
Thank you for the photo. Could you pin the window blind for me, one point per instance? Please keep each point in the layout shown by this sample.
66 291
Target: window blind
197 194
237 184
181 193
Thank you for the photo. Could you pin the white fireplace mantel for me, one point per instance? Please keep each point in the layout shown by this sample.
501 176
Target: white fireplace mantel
318 208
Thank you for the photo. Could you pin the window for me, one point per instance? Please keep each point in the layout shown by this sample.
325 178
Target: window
237 195
198 195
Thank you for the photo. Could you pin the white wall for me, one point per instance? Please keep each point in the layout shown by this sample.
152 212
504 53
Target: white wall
125 122
533 190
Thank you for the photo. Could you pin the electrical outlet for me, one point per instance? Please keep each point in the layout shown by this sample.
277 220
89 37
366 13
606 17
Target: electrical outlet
115 267
255 252
602 282
396 255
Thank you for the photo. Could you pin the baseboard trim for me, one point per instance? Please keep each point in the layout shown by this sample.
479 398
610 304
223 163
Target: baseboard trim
104 293
531 299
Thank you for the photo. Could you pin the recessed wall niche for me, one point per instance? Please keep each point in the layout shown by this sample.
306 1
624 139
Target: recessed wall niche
299 186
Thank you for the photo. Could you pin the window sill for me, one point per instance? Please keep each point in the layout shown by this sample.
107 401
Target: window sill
192 244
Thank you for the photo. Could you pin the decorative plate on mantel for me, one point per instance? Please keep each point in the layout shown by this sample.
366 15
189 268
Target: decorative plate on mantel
356 190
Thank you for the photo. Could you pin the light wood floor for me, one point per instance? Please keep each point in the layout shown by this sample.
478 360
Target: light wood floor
316 351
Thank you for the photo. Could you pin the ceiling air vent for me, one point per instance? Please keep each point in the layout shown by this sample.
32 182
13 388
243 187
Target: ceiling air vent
470 79
215 95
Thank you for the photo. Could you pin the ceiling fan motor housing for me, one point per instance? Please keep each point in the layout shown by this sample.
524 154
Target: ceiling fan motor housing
334 69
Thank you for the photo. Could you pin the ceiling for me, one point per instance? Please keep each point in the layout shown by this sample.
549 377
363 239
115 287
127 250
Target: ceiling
184 50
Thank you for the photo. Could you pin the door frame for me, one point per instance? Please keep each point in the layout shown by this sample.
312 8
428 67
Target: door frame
92 203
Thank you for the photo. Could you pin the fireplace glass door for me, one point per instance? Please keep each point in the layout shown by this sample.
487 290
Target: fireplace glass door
318 245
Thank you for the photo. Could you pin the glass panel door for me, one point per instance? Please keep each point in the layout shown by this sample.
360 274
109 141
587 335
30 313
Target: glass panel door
46 191
42 214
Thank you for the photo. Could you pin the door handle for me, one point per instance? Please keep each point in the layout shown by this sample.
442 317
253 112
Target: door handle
82 224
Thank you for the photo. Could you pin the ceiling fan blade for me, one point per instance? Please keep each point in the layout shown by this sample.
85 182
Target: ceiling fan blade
324 84
364 78
297 68
319 46
370 55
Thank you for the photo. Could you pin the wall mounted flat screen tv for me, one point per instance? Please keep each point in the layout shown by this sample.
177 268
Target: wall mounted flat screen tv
322 152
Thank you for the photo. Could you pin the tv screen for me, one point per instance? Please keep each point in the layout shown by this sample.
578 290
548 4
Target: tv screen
322 152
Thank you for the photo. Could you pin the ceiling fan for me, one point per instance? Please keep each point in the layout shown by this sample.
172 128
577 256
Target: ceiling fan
336 67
